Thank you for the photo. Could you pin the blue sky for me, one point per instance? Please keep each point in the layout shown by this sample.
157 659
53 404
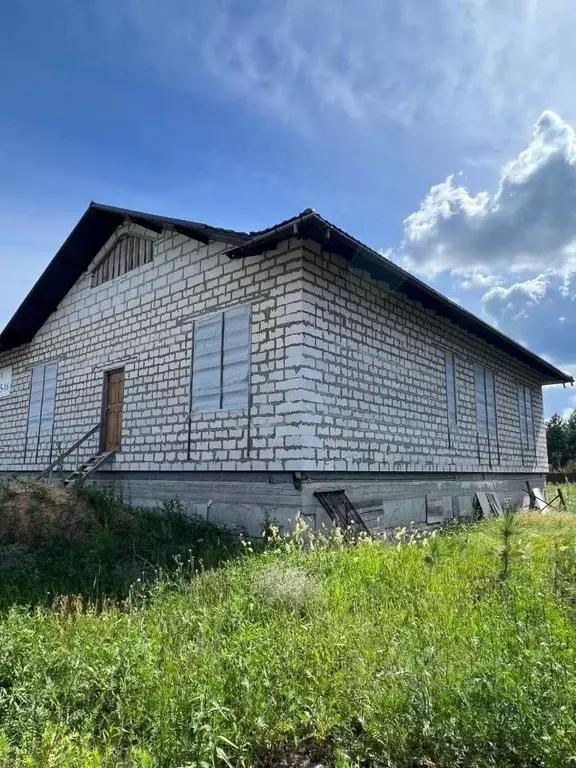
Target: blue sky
438 132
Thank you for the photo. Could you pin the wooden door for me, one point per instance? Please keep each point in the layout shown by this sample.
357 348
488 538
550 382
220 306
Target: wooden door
114 404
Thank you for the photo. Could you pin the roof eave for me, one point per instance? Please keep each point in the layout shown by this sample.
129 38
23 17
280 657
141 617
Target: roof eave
96 225
196 230
312 226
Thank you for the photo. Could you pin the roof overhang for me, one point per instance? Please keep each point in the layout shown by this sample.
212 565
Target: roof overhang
99 223
90 234
310 226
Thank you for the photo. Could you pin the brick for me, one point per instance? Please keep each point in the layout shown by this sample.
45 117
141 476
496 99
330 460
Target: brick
346 374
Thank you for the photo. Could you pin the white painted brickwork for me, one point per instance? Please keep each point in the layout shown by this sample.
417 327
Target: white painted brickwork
374 374
345 375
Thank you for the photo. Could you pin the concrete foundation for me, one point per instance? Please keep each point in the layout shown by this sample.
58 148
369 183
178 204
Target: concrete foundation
390 500
247 500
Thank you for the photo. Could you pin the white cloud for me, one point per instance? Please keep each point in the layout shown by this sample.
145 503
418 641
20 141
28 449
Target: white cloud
568 411
541 312
530 220
518 244
478 69
479 278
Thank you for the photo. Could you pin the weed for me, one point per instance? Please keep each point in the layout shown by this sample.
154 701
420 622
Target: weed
508 529
85 541
452 649
287 586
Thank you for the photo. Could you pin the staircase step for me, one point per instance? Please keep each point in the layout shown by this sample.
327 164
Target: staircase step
92 465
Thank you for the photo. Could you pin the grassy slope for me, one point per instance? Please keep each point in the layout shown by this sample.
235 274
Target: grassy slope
86 542
415 654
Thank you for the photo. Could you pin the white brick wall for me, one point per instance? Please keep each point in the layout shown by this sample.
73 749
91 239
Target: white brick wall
345 375
374 379
142 321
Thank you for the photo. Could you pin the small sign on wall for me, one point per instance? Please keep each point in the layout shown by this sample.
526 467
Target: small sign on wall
5 381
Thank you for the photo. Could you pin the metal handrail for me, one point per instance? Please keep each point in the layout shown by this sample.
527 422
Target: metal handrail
66 453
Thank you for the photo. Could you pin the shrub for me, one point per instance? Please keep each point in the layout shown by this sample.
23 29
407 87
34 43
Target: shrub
287 586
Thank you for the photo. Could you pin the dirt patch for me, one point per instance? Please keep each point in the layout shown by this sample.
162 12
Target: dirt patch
32 512
308 754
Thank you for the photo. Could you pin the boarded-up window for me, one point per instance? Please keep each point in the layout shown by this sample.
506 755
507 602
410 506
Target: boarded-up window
236 359
126 254
491 403
206 364
221 361
35 405
48 399
526 419
481 412
42 400
486 407
451 402
438 509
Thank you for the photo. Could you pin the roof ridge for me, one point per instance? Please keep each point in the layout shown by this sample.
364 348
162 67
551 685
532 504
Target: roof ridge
168 219
296 217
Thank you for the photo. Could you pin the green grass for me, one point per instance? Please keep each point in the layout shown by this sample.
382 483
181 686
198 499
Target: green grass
85 542
569 493
452 650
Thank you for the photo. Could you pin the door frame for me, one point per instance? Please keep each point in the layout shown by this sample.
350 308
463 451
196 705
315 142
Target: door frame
104 408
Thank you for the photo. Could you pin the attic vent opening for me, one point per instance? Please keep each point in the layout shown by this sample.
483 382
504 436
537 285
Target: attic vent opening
126 254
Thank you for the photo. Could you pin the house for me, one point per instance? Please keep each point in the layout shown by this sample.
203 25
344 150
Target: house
249 374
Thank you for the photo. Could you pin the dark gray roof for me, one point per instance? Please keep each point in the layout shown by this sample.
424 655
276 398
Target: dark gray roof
310 225
99 222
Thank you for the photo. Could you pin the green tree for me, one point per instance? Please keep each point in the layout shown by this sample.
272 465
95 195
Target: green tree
570 432
557 440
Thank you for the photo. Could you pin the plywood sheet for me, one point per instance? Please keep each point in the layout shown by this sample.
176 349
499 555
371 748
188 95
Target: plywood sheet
489 503
495 505
484 503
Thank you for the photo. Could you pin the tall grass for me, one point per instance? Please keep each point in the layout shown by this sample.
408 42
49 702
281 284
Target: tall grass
568 492
457 649
86 542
